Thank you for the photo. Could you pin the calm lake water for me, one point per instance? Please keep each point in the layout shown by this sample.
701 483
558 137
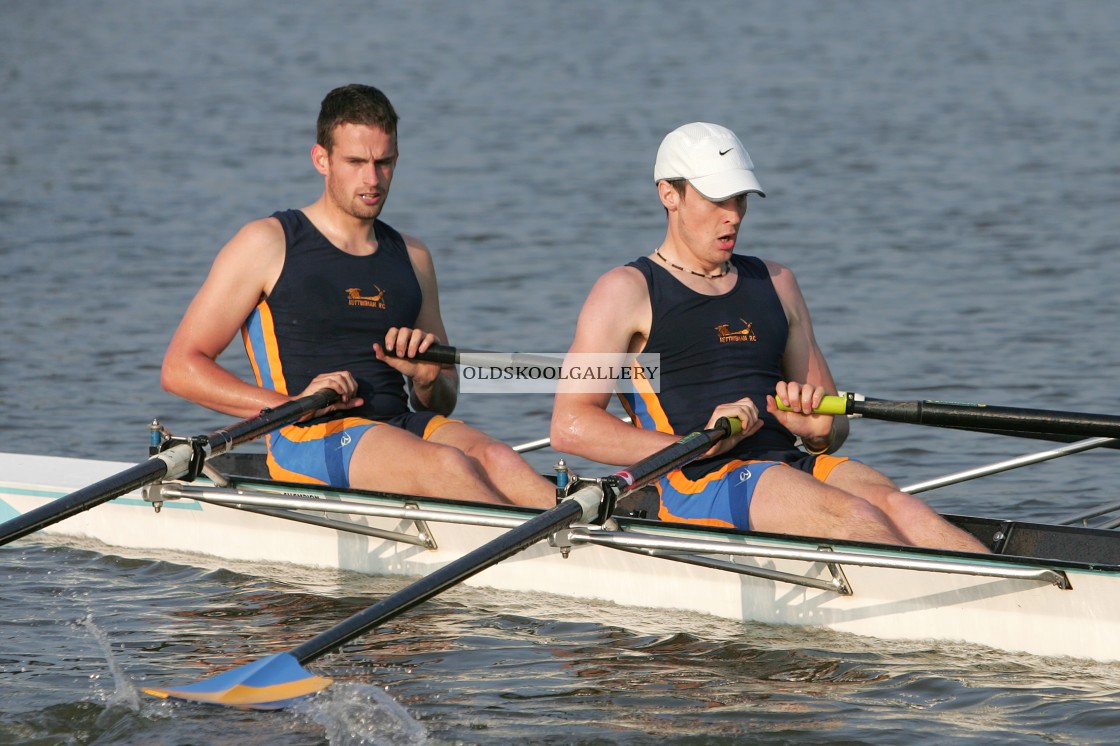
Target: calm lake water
942 177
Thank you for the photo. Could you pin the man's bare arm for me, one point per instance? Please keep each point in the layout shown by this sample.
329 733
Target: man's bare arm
432 387
806 371
614 319
241 275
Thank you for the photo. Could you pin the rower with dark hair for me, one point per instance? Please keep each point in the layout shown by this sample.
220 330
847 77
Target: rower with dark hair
321 296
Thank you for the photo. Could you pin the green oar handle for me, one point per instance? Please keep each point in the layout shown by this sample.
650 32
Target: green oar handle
829 405
733 425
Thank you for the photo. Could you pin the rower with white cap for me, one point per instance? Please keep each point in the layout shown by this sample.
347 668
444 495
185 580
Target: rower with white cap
732 332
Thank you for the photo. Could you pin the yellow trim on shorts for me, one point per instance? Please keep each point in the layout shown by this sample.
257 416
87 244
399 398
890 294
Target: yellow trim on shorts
824 465
686 486
664 514
436 423
300 434
822 468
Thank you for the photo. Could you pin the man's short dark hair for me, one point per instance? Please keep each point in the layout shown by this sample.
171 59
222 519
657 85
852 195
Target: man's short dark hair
354 104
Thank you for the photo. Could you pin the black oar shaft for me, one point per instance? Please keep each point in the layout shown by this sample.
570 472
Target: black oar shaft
83 499
1033 435
491 553
221 441
687 448
982 416
510 543
172 463
272 682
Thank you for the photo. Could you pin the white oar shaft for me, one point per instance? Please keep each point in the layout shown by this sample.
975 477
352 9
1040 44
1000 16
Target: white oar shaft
533 445
1007 465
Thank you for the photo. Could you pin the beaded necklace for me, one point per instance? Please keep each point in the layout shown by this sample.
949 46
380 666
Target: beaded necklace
713 276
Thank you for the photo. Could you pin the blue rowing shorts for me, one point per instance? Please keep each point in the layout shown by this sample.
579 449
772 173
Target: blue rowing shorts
722 497
321 453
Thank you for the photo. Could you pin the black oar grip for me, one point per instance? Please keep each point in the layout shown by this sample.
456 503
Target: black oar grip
442 354
448 355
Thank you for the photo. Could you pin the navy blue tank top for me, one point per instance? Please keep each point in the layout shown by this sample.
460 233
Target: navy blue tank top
714 349
327 309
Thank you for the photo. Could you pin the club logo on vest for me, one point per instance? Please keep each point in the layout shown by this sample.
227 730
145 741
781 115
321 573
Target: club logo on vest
355 298
746 334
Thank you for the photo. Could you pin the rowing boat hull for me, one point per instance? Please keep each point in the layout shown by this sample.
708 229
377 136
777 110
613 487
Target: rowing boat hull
1066 608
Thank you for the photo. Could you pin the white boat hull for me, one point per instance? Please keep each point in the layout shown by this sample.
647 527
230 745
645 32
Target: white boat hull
942 602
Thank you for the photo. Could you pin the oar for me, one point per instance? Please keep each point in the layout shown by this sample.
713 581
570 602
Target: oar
1052 437
999 467
532 445
171 463
448 355
277 680
980 417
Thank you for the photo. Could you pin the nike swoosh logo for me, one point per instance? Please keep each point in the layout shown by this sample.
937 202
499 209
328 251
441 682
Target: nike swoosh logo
725 152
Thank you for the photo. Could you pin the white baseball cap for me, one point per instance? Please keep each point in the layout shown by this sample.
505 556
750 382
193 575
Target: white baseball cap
711 157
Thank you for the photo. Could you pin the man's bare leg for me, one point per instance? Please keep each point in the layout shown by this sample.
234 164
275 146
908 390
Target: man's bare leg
787 500
511 475
915 520
390 459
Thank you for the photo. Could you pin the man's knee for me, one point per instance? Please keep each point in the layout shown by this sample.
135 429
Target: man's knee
905 507
412 453
446 459
497 456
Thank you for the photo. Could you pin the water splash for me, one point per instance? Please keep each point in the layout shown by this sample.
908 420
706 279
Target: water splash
362 715
124 694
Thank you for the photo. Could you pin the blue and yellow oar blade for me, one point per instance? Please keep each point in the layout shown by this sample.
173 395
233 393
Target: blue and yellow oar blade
270 683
